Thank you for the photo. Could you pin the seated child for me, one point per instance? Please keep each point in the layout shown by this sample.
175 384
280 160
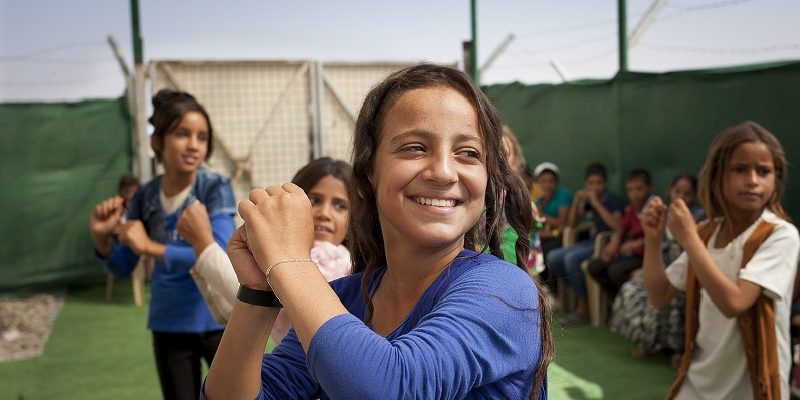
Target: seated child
605 209
623 253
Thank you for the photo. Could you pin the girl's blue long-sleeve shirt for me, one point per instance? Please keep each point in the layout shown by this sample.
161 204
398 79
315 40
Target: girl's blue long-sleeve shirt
176 304
474 334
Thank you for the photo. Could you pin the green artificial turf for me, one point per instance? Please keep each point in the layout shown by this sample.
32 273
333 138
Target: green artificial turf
98 349
593 363
102 350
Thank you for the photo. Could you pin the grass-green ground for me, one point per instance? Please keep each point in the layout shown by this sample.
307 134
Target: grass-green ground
102 350
593 363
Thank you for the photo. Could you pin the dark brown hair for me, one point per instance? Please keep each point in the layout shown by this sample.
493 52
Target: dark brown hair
505 192
127 180
711 192
688 177
596 168
308 176
169 107
641 175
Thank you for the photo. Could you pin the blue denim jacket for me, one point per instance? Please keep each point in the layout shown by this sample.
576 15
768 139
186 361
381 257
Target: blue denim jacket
176 304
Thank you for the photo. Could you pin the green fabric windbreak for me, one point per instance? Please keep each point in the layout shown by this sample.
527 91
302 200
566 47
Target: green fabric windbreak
661 122
58 161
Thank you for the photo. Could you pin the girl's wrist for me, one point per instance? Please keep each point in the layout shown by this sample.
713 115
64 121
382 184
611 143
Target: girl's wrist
255 315
103 242
692 243
284 263
653 241
201 245
153 249
104 250
280 268
147 249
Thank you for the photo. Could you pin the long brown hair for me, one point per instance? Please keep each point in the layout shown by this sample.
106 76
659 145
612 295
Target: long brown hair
505 192
719 155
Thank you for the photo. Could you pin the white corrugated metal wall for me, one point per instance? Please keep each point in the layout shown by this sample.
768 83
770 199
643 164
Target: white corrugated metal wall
272 117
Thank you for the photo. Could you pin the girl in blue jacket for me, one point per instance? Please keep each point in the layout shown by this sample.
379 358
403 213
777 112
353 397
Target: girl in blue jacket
184 332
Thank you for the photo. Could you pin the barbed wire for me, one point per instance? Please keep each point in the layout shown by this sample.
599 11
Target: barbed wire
541 64
58 82
707 6
568 46
578 27
685 10
588 60
64 61
718 50
51 49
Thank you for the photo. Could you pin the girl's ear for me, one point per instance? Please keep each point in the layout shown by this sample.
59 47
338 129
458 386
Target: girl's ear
155 144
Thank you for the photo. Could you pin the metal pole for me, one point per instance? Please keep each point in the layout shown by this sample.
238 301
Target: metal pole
137 37
473 55
142 165
623 35
317 90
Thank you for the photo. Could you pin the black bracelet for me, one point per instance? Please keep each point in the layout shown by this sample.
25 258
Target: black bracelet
255 297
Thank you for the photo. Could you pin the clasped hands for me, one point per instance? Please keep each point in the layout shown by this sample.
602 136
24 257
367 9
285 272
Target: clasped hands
586 195
681 221
278 226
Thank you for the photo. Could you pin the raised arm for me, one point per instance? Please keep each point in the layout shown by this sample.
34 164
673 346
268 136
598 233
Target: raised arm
480 333
179 257
195 227
483 329
576 209
611 218
659 290
134 235
278 227
304 292
236 370
104 220
212 271
731 297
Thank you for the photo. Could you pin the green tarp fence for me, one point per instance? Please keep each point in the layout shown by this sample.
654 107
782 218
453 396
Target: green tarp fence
58 160
661 122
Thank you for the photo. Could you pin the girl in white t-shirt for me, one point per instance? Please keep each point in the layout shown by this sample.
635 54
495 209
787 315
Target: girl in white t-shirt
741 185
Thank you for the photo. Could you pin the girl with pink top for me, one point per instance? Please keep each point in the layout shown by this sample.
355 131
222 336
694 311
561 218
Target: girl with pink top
325 181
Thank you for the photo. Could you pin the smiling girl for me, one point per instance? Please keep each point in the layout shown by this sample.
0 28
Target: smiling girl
184 331
423 316
737 271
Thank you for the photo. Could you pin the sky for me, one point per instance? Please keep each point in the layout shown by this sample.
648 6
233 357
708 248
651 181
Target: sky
54 50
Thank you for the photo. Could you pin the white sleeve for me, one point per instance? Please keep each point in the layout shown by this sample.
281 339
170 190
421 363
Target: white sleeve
216 279
676 272
774 265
